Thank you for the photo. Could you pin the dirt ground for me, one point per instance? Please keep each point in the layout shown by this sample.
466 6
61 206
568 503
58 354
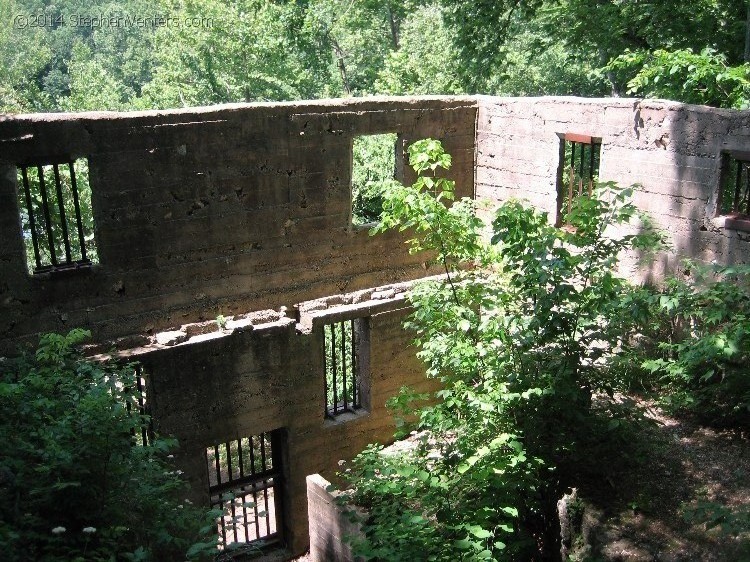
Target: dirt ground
639 508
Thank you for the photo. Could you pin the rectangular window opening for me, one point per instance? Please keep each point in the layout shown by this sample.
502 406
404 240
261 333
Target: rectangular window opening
734 192
346 352
57 222
373 168
578 171
244 478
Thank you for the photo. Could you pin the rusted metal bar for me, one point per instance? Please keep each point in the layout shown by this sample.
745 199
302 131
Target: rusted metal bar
77 206
61 210
47 217
30 210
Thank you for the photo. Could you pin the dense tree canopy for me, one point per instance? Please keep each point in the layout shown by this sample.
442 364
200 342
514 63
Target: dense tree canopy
137 54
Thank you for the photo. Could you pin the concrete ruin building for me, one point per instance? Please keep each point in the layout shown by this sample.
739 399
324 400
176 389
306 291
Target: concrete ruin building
220 255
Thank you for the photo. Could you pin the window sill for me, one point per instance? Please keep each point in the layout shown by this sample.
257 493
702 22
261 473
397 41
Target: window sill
72 268
345 417
733 222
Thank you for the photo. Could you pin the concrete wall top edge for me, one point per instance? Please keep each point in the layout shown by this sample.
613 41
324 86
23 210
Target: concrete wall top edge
303 106
356 104
630 103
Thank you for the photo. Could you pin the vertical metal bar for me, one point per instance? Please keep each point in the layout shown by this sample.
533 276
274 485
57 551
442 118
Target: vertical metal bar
255 489
265 487
255 511
241 464
334 370
343 364
326 369
47 218
276 458
252 456
581 160
229 461
229 479
570 190
747 188
218 464
30 209
141 404
572 155
355 377
76 204
217 468
263 452
737 186
61 209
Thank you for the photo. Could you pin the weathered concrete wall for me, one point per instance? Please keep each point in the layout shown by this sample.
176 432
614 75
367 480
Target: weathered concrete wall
212 211
221 386
329 524
672 150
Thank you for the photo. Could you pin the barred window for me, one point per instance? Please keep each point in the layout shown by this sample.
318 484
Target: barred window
57 226
245 483
346 346
577 172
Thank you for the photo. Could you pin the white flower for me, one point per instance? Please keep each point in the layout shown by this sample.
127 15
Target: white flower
89 529
58 530
342 463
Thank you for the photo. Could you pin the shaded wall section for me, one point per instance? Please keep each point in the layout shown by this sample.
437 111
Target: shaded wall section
212 211
267 376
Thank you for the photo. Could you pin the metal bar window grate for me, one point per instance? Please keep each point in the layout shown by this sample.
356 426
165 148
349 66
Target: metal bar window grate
734 196
145 435
342 369
56 218
244 482
578 171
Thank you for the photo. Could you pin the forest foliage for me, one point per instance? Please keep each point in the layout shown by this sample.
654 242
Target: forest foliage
136 54
533 336
82 477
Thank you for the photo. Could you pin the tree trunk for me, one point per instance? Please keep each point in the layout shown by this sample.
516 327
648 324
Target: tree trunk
341 65
394 29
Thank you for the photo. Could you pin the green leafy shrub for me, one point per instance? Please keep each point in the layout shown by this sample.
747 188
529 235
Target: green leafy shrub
700 342
74 483
521 334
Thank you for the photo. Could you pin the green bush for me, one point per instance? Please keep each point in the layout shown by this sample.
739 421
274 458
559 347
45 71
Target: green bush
74 482
700 343
521 333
